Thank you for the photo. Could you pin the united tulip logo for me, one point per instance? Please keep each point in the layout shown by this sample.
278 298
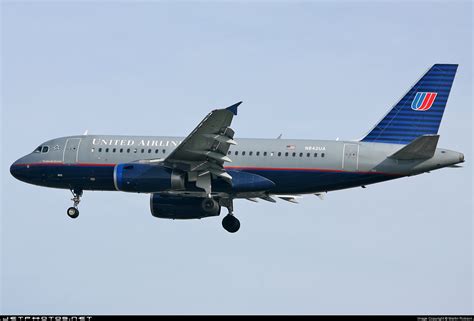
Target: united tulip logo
423 101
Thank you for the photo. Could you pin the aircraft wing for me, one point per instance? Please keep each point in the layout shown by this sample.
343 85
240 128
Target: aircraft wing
203 152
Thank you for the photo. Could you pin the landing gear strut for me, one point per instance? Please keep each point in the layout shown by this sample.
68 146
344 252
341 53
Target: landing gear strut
230 223
73 211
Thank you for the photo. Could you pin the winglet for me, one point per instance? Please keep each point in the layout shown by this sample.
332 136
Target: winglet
233 108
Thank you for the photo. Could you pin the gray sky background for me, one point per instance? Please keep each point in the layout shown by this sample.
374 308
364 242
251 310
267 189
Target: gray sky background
317 70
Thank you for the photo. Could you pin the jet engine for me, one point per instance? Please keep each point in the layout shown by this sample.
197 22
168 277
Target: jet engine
183 207
147 178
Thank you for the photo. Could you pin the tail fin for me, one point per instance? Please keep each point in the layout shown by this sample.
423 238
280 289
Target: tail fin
419 112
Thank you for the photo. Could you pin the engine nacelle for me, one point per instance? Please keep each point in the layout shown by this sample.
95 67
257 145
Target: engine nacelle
183 208
146 178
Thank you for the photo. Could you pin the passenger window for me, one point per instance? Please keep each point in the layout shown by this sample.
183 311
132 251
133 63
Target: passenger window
315 154
309 154
279 153
106 150
114 150
322 154
264 153
294 154
143 150
128 150
229 152
258 153
135 150
250 153
100 150
164 151
121 150
156 151
301 154
236 153
286 154
149 151
243 153
92 150
45 149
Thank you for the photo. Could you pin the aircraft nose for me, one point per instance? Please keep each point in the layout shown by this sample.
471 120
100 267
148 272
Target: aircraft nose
14 169
461 157
19 170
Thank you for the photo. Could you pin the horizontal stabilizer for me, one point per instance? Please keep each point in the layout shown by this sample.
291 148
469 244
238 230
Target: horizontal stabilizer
422 147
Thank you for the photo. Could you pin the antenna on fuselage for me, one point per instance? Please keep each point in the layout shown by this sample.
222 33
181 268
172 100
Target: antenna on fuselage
85 133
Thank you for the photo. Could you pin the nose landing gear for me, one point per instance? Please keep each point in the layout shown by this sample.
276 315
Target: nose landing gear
73 212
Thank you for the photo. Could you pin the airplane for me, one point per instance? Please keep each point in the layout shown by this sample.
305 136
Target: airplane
193 177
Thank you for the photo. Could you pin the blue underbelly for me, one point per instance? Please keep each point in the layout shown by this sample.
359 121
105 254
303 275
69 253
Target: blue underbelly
73 176
100 177
304 181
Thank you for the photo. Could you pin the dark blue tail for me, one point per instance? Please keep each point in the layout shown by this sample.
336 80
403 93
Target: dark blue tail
419 112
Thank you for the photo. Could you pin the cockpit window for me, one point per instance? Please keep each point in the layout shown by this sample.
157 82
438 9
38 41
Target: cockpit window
38 149
45 149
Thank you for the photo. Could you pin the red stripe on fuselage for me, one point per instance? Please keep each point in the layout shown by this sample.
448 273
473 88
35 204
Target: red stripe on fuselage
243 168
304 170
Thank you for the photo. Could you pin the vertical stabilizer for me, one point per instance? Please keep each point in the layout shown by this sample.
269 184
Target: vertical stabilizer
419 112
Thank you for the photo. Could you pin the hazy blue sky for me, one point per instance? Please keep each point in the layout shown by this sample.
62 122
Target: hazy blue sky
307 70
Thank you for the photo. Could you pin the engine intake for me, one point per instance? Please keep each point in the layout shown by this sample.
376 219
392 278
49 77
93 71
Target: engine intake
183 208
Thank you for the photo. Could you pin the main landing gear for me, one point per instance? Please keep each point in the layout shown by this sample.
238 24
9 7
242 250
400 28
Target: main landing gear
230 223
73 211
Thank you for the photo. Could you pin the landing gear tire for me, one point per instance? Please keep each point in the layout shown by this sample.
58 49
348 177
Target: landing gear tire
72 212
230 223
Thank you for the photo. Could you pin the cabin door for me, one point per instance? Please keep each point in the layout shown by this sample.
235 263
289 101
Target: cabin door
350 157
71 150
